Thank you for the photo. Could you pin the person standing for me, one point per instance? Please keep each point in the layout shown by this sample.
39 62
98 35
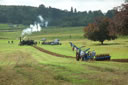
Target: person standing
93 54
12 41
82 55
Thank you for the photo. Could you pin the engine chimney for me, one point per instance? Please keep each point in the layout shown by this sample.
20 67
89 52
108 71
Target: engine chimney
20 39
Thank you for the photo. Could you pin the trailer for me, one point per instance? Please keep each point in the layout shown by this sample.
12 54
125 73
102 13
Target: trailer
102 57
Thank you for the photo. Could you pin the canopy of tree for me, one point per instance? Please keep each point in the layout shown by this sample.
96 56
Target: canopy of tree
56 17
126 0
100 30
120 20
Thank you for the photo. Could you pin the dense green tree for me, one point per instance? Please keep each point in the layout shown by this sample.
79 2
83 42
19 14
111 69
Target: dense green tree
17 14
126 0
56 17
110 13
72 10
75 10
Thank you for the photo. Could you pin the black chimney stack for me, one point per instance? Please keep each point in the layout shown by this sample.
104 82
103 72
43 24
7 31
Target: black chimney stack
20 39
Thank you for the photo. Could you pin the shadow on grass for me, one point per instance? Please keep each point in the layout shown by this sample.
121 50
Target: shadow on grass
126 41
126 46
106 44
60 77
3 38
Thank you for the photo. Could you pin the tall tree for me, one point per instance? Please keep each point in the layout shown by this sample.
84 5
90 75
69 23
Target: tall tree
75 10
126 0
71 9
99 31
110 13
121 19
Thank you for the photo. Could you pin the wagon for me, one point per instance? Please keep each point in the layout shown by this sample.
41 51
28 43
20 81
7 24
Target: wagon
102 57
55 42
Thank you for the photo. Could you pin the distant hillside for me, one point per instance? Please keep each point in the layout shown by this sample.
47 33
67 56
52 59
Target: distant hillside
27 15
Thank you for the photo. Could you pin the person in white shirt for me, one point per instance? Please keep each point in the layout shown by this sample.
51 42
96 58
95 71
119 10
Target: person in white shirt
93 54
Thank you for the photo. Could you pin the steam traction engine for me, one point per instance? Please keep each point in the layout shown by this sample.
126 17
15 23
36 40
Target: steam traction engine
85 55
27 42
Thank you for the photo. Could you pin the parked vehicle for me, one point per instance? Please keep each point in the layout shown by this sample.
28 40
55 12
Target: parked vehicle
55 42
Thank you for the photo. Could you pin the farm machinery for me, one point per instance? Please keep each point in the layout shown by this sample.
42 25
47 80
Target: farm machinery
54 42
27 42
86 55
32 42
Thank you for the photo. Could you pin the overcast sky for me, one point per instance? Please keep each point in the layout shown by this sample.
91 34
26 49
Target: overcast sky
81 5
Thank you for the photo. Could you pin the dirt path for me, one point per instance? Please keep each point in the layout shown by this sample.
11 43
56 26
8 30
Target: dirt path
52 53
120 60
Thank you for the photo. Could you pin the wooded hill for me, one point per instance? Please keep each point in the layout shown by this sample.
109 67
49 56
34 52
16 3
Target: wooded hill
56 17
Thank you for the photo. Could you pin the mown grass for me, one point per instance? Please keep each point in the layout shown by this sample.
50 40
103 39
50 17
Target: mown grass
10 32
11 26
4 27
62 33
25 65
117 48
32 67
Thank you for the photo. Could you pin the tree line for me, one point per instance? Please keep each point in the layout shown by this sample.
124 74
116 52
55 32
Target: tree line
56 17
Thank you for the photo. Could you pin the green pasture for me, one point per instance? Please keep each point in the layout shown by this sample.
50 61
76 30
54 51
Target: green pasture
29 66
11 26
4 27
25 65
117 49
62 33
10 32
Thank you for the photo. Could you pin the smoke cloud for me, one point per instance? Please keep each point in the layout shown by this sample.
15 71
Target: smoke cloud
36 27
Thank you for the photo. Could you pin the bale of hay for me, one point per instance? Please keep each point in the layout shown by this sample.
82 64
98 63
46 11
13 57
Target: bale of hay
102 57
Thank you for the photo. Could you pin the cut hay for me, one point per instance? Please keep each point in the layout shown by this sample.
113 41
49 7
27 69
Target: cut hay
102 57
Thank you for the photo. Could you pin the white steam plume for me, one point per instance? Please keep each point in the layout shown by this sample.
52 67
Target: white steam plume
36 27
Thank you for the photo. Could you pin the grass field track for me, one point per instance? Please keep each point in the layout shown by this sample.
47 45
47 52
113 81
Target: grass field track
60 55
52 53
120 60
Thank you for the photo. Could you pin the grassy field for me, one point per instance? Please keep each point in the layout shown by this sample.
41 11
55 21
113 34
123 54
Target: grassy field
63 33
117 49
10 32
25 65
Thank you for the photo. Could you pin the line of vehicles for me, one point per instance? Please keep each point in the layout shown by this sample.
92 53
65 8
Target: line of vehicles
43 42
83 55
